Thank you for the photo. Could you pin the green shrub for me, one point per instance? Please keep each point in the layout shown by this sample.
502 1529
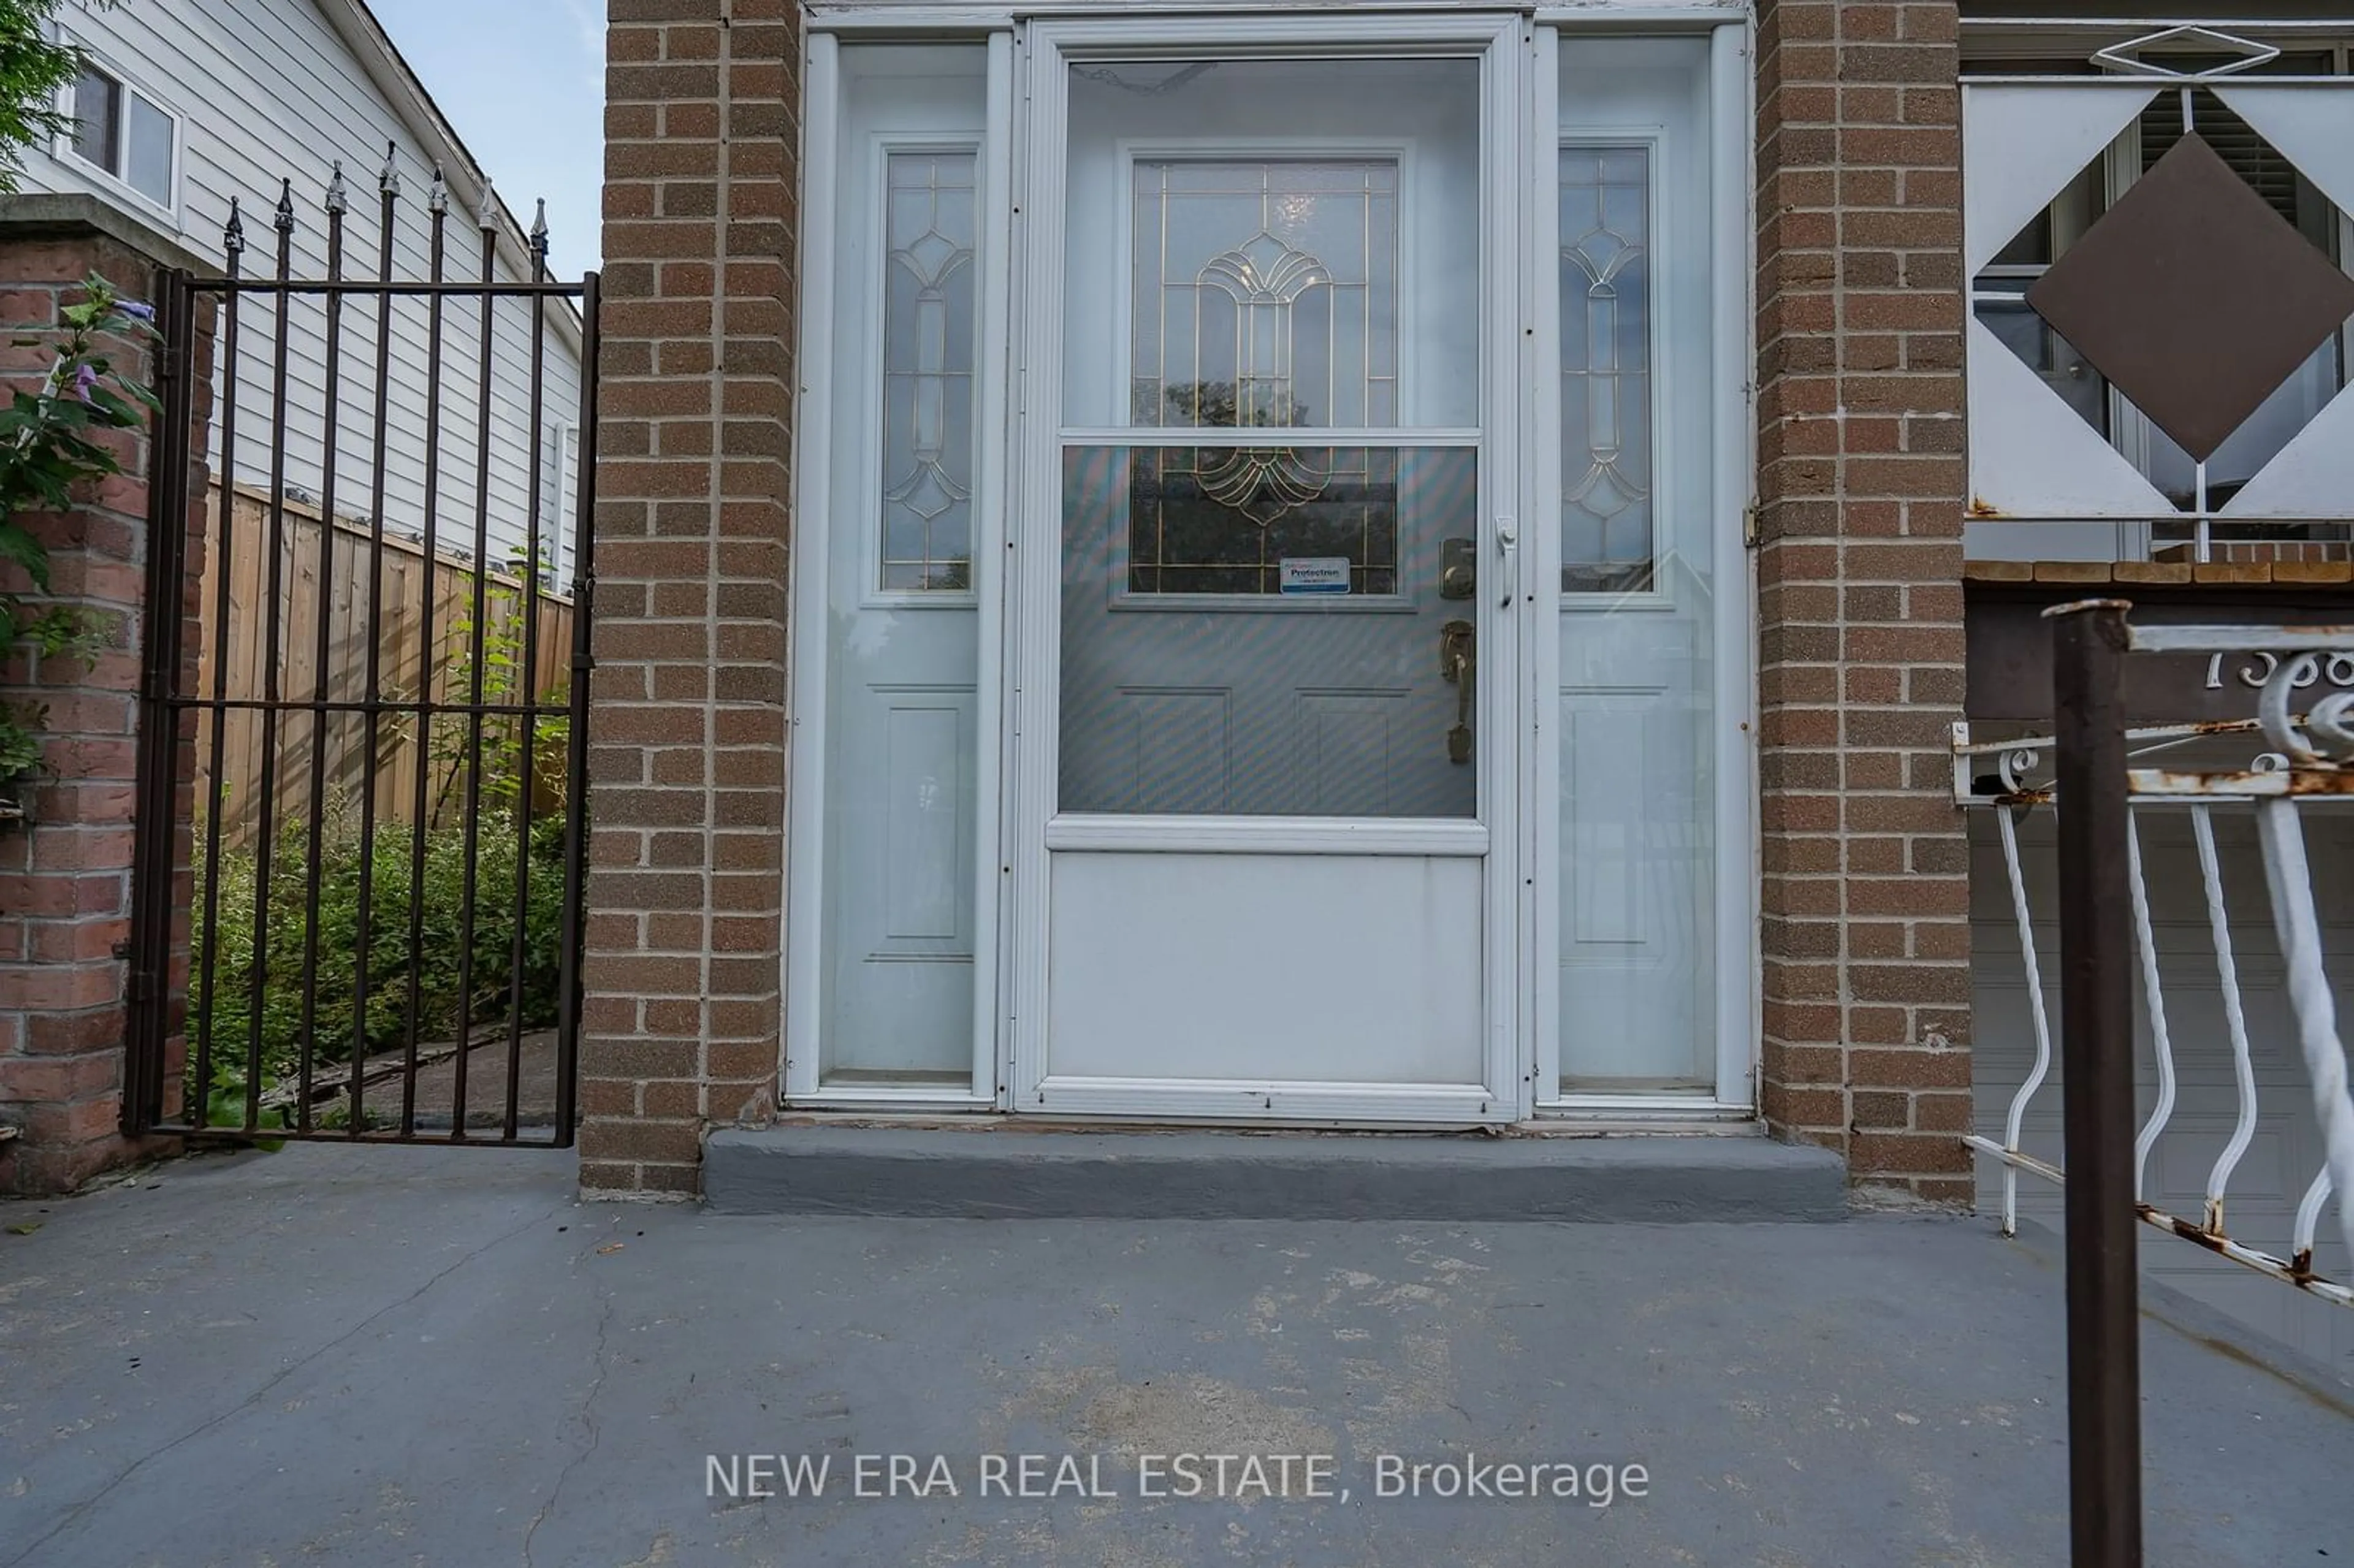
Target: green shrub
52 436
415 951
399 973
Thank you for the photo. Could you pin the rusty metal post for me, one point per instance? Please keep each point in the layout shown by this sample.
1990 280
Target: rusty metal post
2089 644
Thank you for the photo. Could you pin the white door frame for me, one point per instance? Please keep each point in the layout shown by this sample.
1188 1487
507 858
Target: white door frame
822 159
1734 730
1019 372
1501 43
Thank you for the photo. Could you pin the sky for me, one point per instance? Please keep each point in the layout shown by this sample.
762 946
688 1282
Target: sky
524 82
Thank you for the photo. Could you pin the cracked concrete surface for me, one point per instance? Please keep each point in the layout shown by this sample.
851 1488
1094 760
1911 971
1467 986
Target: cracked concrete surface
586 1417
406 1356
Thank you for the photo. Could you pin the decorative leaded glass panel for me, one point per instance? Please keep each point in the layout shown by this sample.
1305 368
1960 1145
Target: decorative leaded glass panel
1224 519
1264 293
1607 525
927 371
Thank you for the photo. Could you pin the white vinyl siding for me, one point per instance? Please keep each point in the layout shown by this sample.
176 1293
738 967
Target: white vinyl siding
270 91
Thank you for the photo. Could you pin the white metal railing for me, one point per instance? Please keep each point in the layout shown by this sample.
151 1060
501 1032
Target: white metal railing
2306 763
2031 125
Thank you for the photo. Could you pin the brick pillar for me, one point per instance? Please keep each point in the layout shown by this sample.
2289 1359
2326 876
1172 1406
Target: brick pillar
1862 488
687 714
65 869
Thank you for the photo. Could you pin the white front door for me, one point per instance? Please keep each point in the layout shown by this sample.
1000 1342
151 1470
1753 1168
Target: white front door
1272 617
1265 572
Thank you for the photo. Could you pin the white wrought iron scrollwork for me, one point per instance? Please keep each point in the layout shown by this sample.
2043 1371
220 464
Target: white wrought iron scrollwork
2325 736
2015 766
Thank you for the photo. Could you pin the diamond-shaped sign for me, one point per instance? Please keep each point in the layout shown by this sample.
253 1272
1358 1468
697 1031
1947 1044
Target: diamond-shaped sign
2194 297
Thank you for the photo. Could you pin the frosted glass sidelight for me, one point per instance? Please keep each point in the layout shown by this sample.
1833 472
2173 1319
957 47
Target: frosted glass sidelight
929 289
1605 368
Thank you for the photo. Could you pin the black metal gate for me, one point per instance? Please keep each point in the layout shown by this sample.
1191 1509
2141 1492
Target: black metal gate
362 804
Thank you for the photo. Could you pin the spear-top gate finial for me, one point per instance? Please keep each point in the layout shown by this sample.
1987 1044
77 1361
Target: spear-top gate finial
285 221
388 179
488 219
539 231
438 200
233 231
339 199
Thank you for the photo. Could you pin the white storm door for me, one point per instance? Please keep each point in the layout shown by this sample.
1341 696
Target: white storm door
1265 556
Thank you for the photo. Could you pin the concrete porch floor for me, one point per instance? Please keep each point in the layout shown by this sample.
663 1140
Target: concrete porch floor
409 1356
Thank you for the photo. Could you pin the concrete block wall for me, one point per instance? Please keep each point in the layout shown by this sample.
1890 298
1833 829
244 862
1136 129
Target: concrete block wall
1861 490
688 710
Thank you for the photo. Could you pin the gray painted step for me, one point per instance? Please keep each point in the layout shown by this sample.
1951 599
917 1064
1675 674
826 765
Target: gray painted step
1007 1173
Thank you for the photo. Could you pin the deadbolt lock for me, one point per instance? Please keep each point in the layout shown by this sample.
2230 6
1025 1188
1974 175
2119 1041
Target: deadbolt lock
1458 568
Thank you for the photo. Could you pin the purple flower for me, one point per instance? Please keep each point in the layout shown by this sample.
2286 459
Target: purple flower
136 310
85 382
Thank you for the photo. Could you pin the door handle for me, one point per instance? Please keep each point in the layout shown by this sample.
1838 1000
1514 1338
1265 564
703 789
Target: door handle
1507 550
1459 662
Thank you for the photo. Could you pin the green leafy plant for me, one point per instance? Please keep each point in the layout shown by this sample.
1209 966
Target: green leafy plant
35 67
53 442
225 1106
255 1009
269 1006
505 737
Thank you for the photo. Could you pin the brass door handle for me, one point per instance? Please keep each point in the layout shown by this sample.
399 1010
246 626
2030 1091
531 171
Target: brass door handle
1458 650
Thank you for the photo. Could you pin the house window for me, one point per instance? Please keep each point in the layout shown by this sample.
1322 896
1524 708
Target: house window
121 132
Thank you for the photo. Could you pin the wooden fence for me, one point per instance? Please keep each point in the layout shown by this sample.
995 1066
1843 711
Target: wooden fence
398 623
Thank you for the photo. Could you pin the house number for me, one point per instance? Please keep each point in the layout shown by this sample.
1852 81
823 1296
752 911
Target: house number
2338 668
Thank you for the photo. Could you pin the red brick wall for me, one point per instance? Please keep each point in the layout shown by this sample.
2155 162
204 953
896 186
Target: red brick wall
66 870
687 713
1861 490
